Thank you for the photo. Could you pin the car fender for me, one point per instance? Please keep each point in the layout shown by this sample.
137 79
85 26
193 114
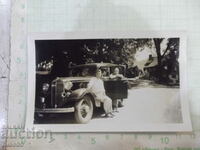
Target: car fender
77 94
80 93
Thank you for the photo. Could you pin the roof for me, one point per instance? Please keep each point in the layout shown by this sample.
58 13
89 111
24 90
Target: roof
97 65
74 79
152 63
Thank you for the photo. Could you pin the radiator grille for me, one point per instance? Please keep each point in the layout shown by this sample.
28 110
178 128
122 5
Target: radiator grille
56 90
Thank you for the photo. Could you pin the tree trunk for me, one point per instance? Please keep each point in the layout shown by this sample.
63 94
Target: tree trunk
157 43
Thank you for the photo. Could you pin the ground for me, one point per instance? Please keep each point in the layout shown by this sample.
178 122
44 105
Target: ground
147 103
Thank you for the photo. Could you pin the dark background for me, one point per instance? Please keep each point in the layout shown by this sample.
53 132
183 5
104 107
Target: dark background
64 53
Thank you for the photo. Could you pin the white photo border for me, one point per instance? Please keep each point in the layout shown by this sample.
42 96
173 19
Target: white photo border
165 127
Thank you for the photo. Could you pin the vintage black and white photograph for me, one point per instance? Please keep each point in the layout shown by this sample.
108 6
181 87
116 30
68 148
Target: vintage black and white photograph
107 84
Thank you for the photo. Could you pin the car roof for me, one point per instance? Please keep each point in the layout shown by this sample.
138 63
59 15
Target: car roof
97 65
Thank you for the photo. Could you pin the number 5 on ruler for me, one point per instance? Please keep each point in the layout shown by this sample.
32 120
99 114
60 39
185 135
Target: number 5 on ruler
164 140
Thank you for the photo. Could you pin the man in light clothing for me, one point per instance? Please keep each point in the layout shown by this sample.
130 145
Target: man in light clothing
96 86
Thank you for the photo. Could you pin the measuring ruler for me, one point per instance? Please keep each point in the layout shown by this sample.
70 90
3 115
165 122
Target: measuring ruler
132 141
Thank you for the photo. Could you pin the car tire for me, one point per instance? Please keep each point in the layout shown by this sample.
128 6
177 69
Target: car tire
84 110
121 103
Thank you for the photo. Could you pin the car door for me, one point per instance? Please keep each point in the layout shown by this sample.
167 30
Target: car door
115 88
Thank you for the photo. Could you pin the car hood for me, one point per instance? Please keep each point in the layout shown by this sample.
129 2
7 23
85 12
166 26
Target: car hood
73 79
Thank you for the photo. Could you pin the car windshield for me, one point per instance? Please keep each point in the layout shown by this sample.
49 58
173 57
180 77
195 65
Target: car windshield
83 71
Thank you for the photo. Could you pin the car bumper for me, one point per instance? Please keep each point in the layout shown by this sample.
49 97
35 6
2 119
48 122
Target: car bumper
55 110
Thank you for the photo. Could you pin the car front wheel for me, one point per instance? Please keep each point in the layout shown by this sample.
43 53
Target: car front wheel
84 110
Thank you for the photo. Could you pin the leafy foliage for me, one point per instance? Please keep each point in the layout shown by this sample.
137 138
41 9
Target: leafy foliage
119 51
168 65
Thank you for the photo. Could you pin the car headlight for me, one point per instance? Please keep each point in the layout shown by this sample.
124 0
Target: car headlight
68 85
45 87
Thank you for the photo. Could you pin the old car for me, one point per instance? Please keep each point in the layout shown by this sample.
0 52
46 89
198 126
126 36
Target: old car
68 94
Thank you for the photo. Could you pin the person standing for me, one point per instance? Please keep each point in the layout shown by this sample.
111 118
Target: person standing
116 74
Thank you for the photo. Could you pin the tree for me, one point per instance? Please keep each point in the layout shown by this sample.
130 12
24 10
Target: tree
119 51
167 62
157 43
